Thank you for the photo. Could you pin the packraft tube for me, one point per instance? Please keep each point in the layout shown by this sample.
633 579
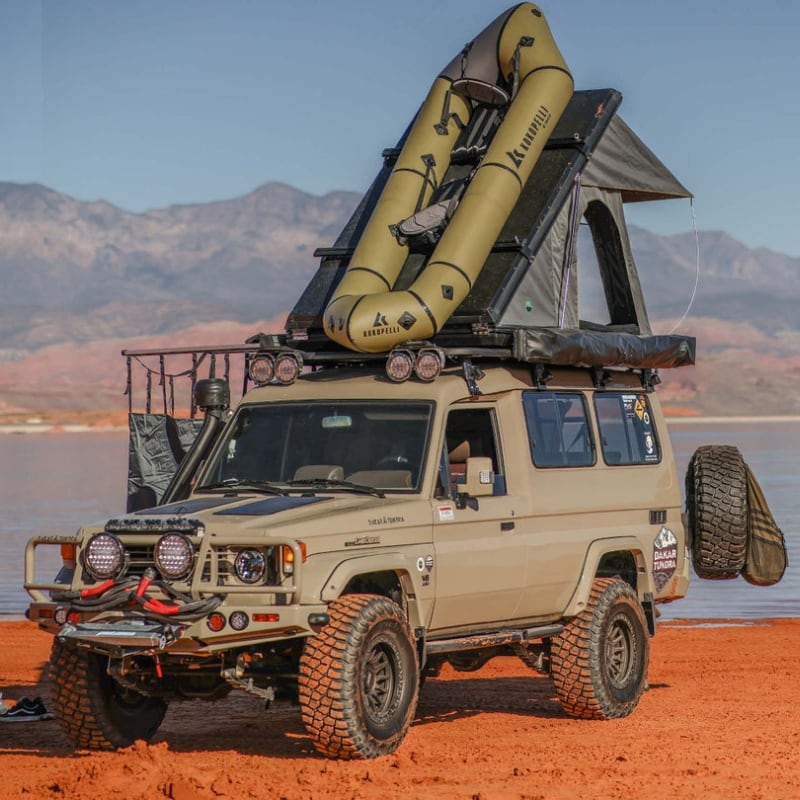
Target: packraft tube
515 65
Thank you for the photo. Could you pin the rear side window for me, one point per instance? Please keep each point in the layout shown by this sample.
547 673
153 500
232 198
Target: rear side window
558 429
627 433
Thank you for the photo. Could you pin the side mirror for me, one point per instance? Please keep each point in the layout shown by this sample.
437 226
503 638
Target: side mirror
479 477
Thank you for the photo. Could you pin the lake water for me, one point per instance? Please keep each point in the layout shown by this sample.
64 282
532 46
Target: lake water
51 484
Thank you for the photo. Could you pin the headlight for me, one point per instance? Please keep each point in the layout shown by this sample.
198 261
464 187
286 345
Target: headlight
250 566
103 556
174 556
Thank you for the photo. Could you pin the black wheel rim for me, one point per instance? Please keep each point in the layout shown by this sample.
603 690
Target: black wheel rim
620 652
128 700
379 683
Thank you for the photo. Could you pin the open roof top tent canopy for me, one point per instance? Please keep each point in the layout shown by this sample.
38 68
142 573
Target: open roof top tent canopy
526 295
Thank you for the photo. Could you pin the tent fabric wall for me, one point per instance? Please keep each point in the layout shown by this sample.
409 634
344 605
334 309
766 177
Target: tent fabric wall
538 299
618 271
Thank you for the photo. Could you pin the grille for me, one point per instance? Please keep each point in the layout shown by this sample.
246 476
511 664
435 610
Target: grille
140 557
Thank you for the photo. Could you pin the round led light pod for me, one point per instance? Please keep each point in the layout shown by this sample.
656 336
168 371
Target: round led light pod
287 368
250 566
261 369
238 620
174 556
399 366
103 556
429 364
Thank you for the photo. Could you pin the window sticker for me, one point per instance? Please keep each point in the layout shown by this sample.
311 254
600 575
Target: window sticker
628 433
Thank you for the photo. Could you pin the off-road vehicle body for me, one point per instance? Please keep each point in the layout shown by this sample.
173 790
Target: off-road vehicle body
348 534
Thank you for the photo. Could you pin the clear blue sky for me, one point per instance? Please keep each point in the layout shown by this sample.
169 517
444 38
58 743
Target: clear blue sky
154 102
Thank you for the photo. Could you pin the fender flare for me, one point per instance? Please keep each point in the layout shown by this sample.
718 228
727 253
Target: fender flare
400 563
594 554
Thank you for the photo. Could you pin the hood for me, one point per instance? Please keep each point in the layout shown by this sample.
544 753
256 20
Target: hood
322 521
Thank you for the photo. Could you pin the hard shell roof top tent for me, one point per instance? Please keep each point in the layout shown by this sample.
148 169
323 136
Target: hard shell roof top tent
526 295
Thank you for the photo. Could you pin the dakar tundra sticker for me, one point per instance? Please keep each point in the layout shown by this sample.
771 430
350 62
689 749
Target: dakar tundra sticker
665 557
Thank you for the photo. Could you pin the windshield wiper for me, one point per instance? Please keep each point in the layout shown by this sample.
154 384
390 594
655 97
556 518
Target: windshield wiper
242 484
332 483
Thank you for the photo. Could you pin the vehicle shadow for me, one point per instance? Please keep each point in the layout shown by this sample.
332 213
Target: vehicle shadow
240 722
456 698
279 731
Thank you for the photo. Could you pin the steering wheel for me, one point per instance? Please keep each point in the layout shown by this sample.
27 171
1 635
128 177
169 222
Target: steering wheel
392 462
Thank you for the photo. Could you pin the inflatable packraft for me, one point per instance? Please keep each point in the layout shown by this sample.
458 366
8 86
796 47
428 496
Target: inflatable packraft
513 66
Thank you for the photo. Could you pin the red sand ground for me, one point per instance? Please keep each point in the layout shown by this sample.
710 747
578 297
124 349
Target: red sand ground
721 720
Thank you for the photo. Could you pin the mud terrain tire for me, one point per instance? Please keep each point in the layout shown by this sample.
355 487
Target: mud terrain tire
599 662
716 505
94 711
359 679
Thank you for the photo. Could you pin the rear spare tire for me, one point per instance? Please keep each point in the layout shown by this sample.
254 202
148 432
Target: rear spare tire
716 507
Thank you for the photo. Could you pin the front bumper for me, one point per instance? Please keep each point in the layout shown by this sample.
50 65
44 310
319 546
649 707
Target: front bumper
141 636
116 614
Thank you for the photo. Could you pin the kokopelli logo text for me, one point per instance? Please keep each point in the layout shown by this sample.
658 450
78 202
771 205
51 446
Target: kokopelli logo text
540 120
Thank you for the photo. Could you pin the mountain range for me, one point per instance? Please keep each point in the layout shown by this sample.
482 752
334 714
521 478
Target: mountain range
81 280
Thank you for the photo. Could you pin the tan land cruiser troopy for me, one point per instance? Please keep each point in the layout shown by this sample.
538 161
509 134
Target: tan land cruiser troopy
440 460
349 534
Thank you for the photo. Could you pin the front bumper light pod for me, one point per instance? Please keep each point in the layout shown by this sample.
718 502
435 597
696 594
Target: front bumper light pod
250 566
238 620
174 556
103 556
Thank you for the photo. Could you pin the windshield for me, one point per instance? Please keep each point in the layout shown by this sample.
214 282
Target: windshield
322 445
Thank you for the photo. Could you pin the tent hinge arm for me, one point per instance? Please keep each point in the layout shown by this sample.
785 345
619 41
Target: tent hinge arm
541 376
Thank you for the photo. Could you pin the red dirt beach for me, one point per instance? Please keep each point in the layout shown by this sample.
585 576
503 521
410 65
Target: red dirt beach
721 720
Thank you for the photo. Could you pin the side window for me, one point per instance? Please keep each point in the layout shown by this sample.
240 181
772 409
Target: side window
558 429
470 433
626 429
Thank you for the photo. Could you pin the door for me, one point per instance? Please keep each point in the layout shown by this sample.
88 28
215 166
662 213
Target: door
480 560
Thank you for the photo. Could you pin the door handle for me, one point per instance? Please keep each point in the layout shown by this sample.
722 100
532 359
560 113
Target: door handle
507 526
